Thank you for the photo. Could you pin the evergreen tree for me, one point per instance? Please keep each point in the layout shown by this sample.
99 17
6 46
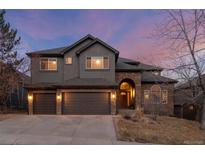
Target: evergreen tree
9 61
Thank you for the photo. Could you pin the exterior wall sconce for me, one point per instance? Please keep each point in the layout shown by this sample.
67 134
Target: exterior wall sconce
30 97
59 97
113 96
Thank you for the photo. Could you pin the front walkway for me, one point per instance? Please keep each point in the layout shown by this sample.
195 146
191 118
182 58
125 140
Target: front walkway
52 129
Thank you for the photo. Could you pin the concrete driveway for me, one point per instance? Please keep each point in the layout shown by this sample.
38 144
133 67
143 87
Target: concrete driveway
52 129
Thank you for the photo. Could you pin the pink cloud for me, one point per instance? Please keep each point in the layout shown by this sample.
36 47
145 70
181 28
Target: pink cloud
41 25
102 24
138 44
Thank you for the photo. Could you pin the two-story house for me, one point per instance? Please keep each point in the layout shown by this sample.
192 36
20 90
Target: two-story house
89 77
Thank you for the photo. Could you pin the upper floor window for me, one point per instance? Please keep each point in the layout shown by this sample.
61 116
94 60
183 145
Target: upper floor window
97 63
68 60
48 64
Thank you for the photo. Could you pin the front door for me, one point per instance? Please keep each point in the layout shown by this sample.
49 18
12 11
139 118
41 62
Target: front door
124 99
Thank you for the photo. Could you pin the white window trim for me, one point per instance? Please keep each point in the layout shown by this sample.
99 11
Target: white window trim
71 60
48 65
166 96
97 68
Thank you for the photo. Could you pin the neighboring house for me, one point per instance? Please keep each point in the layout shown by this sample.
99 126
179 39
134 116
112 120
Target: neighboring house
89 77
188 100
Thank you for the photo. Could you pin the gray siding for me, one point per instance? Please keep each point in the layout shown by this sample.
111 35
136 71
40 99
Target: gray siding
38 76
77 68
97 50
72 71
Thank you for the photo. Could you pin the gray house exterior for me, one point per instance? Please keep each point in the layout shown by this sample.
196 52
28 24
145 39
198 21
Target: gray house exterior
89 77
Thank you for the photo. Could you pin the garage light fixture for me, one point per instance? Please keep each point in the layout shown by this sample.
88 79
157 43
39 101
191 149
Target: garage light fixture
59 97
113 96
30 97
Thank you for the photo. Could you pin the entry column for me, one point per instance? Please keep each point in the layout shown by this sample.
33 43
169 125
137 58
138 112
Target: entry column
58 102
113 102
30 102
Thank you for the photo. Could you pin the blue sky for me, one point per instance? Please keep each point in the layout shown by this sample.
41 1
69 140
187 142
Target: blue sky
125 30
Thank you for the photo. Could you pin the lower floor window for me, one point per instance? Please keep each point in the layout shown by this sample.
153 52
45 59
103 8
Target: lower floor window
155 95
164 96
146 96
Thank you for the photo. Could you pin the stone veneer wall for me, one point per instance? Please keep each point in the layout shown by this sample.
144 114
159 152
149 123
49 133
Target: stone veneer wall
164 109
136 77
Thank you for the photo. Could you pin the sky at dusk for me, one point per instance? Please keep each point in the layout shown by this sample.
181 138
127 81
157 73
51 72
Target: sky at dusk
126 30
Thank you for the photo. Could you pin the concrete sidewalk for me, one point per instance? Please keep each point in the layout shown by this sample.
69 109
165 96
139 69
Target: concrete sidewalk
52 129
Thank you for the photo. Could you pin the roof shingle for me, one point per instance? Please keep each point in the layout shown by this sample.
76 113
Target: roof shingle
149 77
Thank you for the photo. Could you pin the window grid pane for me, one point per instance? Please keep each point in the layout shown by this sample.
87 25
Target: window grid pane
69 60
48 64
164 96
52 64
44 64
96 62
106 62
146 96
88 63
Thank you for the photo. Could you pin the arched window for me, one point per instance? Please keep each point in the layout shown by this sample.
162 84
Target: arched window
155 93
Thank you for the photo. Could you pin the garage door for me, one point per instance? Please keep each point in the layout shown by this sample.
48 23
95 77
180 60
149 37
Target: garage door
44 103
82 103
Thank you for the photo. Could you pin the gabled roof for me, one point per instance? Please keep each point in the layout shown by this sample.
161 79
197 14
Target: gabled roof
96 40
148 77
62 50
77 43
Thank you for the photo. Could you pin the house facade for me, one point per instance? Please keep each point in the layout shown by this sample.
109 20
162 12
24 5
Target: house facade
89 77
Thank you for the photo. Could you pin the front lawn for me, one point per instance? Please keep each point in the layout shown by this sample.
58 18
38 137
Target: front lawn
165 130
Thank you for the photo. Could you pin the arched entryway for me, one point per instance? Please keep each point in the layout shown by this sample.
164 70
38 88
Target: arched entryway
127 94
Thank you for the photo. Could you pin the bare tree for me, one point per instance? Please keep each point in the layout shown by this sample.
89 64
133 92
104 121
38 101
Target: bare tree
183 33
